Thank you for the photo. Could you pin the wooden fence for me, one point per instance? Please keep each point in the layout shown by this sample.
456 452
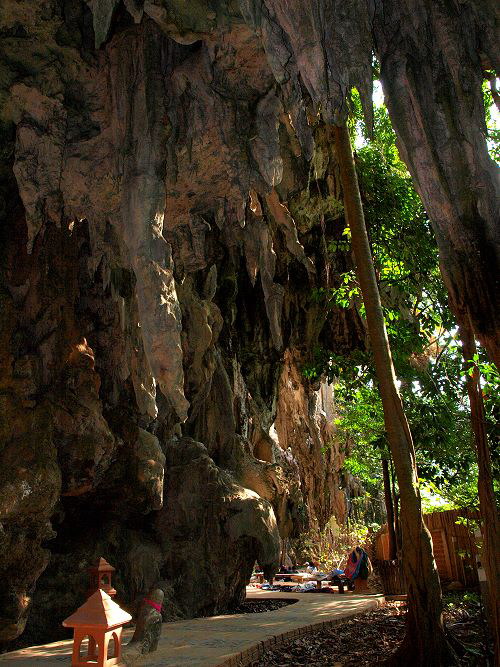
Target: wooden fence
454 545
454 549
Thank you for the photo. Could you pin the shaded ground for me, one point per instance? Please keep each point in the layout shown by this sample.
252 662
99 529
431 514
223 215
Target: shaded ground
258 606
247 607
205 642
368 639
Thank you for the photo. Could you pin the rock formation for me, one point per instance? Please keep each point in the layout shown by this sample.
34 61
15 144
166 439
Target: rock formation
160 238
155 307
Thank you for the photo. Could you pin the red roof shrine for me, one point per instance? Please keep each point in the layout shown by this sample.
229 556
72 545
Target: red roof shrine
102 565
98 612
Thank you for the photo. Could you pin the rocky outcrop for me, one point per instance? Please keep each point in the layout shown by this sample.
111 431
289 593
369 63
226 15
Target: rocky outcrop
153 284
305 426
223 530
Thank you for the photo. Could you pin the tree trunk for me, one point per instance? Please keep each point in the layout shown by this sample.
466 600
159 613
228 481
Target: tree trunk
395 498
425 642
397 522
487 501
430 67
389 507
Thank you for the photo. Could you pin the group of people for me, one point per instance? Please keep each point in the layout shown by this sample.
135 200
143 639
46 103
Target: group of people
310 567
356 572
358 566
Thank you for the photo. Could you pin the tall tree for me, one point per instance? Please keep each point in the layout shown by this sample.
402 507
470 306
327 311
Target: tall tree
487 500
389 507
425 642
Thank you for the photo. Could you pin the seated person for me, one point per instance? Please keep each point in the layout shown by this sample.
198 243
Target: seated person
336 577
311 567
358 567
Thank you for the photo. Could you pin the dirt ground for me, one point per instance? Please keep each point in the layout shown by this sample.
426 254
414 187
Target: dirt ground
368 639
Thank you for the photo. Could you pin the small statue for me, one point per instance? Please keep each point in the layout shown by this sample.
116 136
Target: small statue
148 627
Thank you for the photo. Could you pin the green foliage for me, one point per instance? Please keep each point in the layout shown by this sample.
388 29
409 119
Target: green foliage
345 294
443 446
413 296
487 370
319 362
343 244
362 423
331 546
403 246
427 354
492 126
432 498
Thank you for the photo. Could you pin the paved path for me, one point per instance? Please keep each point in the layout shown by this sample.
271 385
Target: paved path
209 642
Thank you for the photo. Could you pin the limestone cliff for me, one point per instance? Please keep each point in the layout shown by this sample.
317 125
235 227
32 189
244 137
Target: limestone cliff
155 308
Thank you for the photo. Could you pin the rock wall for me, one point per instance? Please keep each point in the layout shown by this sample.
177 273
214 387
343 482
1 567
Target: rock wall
155 307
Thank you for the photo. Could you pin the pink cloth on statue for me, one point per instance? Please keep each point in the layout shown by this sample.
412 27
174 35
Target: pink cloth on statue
155 605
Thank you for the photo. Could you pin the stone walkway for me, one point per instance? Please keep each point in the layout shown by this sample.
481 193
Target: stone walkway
219 640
